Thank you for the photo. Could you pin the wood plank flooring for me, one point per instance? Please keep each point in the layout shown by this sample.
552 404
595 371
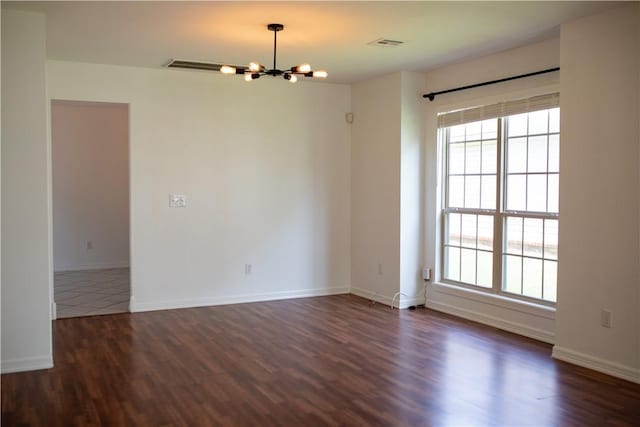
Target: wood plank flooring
315 361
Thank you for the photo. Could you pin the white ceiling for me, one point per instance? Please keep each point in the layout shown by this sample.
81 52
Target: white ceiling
329 35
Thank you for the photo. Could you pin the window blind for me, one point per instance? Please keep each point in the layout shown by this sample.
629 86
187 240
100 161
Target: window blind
502 109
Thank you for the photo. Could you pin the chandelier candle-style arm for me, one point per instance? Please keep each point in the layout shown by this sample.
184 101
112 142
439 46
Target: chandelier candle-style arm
256 70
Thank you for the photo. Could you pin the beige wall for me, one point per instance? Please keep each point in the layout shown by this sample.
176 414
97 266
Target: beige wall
599 192
90 152
264 167
26 243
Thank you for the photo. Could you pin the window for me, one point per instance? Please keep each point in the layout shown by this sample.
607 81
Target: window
500 198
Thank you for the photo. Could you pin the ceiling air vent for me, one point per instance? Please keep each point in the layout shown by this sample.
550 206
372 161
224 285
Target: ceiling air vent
385 43
197 65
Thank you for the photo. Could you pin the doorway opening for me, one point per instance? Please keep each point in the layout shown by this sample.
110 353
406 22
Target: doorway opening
90 195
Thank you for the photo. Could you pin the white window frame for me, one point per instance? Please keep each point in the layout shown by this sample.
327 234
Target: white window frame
500 214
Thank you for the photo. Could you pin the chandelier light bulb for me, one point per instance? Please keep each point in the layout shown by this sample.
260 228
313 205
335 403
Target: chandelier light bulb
225 69
303 68
293 78
247 77
320 74
254 66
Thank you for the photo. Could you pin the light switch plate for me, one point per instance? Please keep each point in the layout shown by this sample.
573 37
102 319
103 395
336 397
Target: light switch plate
177 201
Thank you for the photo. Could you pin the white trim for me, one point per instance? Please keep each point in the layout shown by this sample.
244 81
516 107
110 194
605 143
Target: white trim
232 299
409 301
27 364
54 310
597 364
50 260
401 301
496 300
93 266
88 103
373 296
476 316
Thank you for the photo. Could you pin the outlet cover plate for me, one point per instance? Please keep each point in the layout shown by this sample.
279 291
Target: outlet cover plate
177 201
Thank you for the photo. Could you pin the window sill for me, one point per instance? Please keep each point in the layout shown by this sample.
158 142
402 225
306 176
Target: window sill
496 300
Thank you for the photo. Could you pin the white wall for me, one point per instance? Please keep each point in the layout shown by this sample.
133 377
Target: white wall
387 188
375 187
265 170
599 192
26 244
526 319
412 188
90 151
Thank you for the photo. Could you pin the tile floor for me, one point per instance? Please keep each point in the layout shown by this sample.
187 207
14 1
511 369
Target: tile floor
91 292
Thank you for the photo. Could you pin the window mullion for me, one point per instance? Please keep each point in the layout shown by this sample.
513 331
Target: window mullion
526 170
464 178
497 218
544 223
445 199
446 167
546 202
443 228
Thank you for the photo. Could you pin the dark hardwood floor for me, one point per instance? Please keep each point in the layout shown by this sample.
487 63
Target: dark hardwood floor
316 361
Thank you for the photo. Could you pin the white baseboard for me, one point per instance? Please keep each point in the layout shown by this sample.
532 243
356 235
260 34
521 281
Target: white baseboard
364 293
135 306
406 302
403 303
92 266
597 364
26 364
496 322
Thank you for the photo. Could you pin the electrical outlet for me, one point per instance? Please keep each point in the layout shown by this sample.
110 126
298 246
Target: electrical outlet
89 245
177 201
605 318
248 268
348 117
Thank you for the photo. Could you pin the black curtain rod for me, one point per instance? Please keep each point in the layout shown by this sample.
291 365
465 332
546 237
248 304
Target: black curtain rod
432 95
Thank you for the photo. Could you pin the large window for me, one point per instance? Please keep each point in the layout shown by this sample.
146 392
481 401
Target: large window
500 198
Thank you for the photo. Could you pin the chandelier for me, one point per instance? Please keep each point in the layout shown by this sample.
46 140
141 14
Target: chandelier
257 70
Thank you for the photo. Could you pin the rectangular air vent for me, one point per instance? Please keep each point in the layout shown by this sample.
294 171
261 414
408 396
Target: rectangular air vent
386 43
197 65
